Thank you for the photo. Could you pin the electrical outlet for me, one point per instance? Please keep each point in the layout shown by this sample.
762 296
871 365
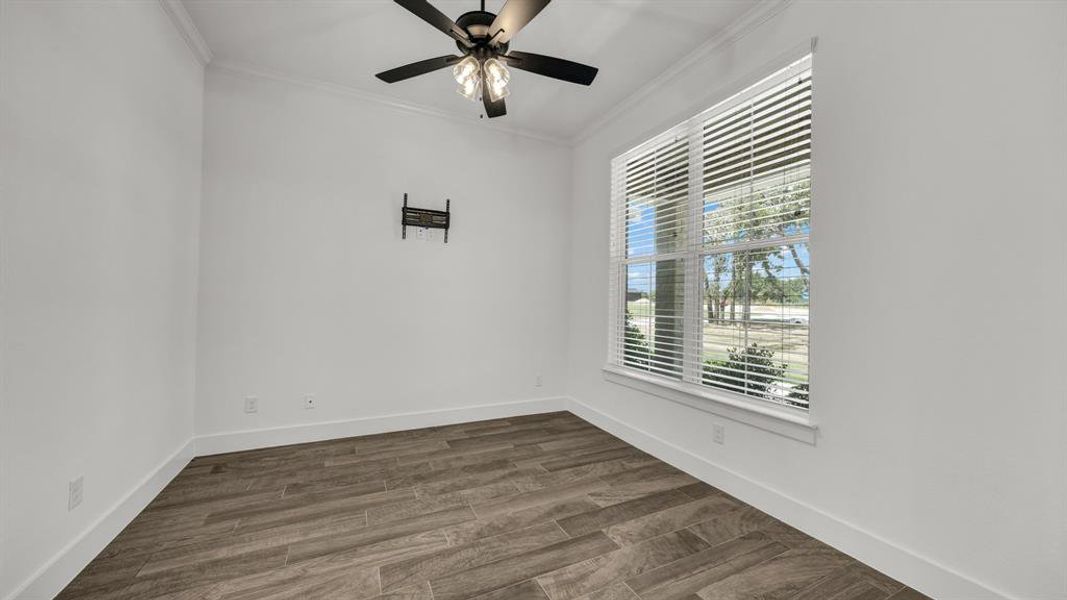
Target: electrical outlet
309 402
718 433
539 381
421 233
251 404
75 493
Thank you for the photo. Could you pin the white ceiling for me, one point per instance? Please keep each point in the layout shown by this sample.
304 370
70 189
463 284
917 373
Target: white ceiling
345 42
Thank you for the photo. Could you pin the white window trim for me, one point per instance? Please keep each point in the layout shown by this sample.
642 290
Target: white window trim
776 418
794 423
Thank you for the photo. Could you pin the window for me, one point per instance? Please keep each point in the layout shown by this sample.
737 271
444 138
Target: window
710 267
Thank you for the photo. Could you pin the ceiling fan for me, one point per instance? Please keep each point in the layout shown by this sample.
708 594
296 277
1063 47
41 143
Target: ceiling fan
483 38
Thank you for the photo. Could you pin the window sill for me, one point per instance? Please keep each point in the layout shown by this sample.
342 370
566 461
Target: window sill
782 420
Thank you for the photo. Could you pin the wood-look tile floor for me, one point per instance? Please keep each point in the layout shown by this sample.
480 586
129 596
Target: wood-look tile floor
544 507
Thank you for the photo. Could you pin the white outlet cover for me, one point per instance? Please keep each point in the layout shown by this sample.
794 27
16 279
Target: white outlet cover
718 434
309 402
75 493
251 404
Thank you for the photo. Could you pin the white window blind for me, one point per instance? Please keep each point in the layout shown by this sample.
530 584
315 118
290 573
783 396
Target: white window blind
710 229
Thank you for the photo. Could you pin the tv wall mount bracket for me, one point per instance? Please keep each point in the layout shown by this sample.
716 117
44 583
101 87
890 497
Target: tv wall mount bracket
424 217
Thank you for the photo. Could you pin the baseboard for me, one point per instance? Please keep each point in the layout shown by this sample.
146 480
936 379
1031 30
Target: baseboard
54 575
918 572
903 565
251 439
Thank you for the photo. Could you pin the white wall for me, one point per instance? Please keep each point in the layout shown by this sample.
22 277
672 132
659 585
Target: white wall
307 287
101 139
940 137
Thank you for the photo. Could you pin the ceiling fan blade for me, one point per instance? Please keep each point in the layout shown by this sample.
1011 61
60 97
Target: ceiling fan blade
513 17
493 109
425 11
418 68
556 68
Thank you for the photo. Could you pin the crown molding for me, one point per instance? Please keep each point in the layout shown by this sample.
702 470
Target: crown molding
248 70
185 26
741 27
749 21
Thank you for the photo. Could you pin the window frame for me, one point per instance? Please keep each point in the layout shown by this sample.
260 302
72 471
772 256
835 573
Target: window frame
797 423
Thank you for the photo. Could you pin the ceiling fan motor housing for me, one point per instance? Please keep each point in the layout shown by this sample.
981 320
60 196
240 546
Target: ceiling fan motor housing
476 24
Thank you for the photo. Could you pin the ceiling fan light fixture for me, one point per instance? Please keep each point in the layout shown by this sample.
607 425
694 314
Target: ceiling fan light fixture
496 94
496 79
469 88
468 75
